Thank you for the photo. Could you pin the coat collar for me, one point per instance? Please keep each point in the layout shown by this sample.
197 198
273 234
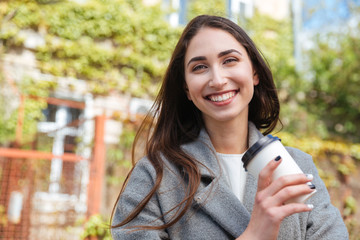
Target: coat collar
204 151
214 195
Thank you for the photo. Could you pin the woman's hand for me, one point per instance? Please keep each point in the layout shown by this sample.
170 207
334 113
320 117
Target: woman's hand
269 208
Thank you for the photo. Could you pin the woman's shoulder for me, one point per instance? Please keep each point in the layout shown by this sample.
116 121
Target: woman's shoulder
145 168
295 152
303 159
142 170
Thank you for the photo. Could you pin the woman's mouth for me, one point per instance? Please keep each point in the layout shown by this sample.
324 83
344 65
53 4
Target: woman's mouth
221 97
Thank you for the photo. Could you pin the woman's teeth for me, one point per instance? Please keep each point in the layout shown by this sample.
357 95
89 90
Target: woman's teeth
222 97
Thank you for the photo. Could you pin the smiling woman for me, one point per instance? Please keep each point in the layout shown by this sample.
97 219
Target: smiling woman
220 79
216 96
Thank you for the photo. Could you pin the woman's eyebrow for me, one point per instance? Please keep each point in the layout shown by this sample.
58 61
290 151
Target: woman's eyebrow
194 59
223 53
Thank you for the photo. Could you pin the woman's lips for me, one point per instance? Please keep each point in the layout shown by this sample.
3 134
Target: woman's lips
222 97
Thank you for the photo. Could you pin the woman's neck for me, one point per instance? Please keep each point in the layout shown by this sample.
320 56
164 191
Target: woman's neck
229 138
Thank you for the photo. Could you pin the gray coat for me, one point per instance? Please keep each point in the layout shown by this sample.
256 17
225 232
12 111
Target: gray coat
216 213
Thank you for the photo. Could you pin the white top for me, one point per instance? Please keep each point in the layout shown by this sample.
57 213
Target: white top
234 173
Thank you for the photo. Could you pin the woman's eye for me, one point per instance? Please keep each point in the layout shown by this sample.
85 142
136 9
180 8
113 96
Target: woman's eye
198 67
229 60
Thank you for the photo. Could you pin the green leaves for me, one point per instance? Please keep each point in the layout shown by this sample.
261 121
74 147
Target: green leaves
212 7
96 41
32 111
96 227
335 87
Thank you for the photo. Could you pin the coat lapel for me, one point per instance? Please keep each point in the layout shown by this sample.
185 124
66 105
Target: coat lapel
214 195
217 200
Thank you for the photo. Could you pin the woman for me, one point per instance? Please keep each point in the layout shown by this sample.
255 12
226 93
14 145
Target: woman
217 94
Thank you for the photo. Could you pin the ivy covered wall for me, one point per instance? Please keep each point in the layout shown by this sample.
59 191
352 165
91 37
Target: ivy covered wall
118 45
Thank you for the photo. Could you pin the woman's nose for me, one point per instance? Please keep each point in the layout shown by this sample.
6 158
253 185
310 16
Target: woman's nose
217 79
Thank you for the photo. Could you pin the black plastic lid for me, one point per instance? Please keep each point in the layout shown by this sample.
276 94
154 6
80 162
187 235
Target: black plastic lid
257 147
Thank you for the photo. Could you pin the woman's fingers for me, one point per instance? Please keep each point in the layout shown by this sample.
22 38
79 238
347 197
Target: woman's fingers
269 208
292 208
290 192
285 187
265 176
284 184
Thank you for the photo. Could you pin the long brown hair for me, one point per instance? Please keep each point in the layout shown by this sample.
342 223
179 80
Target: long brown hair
174 120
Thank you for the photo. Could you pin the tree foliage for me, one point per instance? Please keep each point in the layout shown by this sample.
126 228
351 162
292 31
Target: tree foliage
115 45
274 38
31 111
211 7
118 45
335 83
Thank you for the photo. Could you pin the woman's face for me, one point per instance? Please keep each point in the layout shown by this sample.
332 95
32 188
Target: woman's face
219 76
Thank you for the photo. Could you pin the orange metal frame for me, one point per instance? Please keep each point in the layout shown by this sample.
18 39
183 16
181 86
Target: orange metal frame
97 162
97 167
33 154
56 101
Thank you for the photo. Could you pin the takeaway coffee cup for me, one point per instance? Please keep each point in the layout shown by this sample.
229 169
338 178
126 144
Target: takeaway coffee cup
265 150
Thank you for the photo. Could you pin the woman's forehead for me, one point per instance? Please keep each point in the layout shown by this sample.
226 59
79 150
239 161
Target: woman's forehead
210 40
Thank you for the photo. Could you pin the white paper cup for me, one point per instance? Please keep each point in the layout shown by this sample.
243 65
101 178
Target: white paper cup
264 151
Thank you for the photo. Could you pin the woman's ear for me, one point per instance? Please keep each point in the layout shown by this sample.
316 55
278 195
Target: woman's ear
186 89
255 78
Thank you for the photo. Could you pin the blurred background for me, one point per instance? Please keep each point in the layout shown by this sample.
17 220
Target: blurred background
77 77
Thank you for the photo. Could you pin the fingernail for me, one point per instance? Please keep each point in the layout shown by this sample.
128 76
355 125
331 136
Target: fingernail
309 176
277 158
311 185
310 206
